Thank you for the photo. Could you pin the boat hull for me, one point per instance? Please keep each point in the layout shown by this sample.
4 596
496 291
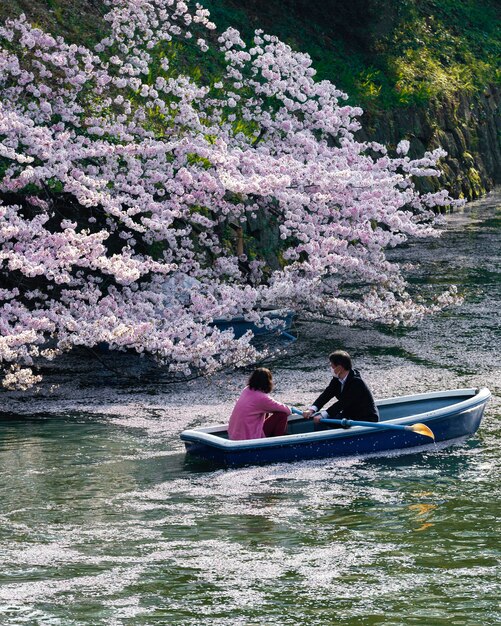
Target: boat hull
448 424
283 321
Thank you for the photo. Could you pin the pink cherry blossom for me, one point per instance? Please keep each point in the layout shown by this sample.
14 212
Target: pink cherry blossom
125 186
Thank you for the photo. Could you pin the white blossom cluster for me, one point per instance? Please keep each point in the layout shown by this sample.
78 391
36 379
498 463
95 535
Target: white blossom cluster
124 183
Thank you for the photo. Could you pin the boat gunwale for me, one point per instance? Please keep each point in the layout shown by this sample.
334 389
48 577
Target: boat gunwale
480 396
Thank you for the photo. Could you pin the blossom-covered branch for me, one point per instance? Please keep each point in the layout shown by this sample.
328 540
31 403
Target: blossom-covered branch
123 183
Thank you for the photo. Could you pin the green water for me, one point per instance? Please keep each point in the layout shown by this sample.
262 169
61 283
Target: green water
104 521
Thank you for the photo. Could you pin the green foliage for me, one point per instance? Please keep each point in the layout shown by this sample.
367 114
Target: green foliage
443 47
404 53
4 165
78 21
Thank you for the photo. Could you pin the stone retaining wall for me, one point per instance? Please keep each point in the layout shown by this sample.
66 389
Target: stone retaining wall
468 128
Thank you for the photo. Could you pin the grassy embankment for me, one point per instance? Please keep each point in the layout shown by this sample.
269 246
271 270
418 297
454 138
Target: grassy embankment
383 54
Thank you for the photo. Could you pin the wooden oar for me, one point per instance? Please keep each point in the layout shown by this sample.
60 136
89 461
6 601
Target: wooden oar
420 429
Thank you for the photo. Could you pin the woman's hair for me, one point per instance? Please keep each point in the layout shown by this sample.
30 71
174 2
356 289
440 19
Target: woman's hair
261 380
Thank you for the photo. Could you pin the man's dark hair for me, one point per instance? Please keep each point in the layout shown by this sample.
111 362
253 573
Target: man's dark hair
342 358
261 380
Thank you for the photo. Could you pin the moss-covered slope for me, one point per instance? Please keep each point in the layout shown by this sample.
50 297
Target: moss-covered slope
428 70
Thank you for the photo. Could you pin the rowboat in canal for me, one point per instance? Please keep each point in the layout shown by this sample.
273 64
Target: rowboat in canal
407 423
281 322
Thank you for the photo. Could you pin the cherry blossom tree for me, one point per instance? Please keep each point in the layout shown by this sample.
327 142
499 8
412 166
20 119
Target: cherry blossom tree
129 192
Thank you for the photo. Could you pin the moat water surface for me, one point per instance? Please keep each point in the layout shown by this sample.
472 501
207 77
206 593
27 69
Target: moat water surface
104 522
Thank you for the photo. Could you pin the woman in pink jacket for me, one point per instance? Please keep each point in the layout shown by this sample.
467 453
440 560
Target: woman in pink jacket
256 414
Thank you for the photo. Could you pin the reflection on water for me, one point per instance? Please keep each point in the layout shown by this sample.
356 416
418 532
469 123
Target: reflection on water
104 520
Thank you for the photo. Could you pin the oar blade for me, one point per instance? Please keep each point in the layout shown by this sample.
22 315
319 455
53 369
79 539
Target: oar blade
422 429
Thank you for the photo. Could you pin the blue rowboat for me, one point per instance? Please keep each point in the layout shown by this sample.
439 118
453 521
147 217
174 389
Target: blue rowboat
451 415
281 325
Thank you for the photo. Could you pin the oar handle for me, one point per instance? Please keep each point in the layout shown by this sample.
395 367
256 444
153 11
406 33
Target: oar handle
344 423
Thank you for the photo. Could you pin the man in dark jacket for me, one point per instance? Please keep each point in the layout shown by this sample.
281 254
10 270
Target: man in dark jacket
354 399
